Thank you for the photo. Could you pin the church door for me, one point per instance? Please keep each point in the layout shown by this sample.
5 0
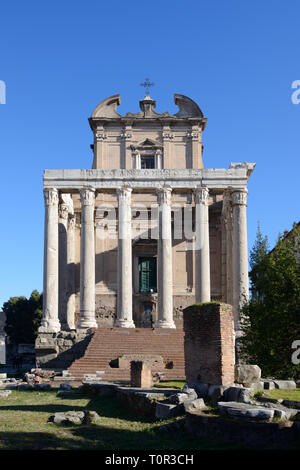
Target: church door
147 275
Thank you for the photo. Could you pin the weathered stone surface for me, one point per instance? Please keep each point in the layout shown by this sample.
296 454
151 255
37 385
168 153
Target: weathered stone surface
5 393
215 393
74 417
3 376
238 394
247 374
285 384
201 389
209 344
42 386
244 411
193 405
166 410
268 384
178 398
65 387
291 404
25 386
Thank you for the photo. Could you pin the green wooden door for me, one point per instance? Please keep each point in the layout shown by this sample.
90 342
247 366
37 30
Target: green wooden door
147 275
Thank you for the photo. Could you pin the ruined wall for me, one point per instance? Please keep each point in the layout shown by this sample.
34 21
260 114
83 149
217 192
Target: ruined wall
209 344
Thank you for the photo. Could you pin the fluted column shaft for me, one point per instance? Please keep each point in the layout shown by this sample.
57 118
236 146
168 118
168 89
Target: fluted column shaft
240 253
124 297
87 260
50 322
202 258
164 261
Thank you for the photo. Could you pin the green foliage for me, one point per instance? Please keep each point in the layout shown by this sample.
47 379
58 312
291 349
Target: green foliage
271 319
23 317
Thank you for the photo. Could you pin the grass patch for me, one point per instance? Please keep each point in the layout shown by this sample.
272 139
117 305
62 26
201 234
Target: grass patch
24 426
178 384
284 394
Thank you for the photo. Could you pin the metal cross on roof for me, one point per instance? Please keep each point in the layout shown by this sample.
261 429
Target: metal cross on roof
147 84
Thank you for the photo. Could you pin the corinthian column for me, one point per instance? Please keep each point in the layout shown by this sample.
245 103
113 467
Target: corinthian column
202 271
164 258
71 273
87 260
50 322
124 298
63 211
240 253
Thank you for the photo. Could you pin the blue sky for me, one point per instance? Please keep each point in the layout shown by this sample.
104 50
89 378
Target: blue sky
59 59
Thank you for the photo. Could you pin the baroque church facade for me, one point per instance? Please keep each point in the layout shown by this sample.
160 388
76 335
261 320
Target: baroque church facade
148 230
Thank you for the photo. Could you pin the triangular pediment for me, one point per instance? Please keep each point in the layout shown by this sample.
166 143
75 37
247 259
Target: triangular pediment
147 143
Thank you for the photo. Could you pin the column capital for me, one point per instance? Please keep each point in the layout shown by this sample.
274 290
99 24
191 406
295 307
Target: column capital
164 195
201 195
239 197
63 210
125 193
87 196
51 196
72 221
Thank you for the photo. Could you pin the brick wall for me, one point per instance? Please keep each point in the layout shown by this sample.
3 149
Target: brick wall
209 344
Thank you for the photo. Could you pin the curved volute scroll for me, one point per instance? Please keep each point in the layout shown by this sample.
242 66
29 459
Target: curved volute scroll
187 107
107 108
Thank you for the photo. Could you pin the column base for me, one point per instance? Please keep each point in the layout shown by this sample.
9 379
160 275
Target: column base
165 324
124 324
47 327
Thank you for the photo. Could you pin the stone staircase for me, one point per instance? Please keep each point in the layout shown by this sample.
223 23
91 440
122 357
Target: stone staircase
108 344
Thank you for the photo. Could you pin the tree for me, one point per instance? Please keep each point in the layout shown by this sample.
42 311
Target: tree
271 319
23 317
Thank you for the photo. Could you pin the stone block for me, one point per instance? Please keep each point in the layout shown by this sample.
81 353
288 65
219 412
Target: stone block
285 384
215 393
25 387
5 393
65 387
209 344
268 384
3 376
167 410
178 398
244 411
238 394
140 374
193 405
247 374
201 389
42 387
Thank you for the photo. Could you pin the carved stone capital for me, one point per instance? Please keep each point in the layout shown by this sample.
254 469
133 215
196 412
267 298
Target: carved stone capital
99 136
87 196
72 222
126 135
167 135
239 197
124 194
51 196
192 135
63 210
164 195
201 195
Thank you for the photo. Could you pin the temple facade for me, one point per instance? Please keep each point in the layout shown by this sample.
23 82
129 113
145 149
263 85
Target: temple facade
148 230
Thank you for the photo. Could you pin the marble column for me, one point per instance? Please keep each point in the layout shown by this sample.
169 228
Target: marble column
50 322
87 260
63 211
227 219
164 261
240 253
124 297
202 258
70 314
